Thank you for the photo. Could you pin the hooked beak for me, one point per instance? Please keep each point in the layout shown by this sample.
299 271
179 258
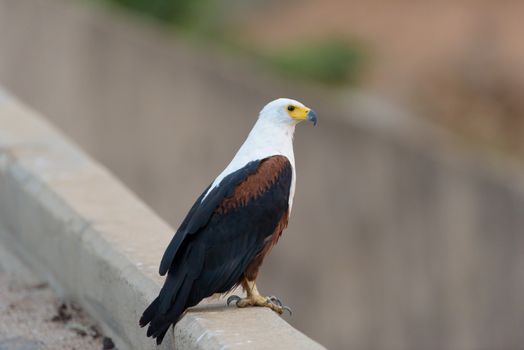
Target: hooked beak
312 117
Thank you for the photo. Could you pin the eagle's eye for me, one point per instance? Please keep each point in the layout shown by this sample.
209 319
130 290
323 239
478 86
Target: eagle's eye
290 108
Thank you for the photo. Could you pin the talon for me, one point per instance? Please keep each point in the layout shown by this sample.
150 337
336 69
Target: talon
288 310
232 298
275 300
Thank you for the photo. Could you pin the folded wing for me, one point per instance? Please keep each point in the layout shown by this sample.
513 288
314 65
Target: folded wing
224 236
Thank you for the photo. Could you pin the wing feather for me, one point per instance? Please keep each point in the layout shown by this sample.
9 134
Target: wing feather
201 211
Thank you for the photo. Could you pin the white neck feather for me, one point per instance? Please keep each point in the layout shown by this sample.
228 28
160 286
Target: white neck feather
266 139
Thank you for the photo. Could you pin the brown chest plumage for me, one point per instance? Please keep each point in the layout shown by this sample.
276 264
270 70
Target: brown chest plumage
255 184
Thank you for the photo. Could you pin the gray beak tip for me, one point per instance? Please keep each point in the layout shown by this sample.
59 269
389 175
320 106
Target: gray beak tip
312 117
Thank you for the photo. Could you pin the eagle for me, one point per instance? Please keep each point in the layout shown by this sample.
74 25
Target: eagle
235 222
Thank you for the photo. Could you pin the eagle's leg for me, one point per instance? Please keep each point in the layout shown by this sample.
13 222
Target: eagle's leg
254 298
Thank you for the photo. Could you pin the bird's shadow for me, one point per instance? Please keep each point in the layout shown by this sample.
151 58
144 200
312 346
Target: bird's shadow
213 305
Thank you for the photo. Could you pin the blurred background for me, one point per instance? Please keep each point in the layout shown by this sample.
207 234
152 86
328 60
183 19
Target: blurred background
407 230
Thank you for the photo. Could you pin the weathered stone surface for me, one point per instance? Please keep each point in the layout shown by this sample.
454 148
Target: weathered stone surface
20 343
31 315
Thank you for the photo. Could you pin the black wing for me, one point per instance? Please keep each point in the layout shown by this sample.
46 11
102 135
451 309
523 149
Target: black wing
200 213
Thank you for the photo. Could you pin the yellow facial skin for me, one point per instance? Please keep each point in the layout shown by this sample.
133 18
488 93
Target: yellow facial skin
298 113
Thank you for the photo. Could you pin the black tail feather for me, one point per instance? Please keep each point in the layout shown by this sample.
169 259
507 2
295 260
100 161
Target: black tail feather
160 320
149 313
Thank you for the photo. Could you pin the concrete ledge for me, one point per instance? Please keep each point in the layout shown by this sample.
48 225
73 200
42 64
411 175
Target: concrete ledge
100 246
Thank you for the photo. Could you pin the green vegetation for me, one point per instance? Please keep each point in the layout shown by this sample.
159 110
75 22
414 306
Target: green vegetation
179 12
330 61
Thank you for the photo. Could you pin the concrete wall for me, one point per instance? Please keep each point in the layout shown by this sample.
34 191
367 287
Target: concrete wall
85 233
399 238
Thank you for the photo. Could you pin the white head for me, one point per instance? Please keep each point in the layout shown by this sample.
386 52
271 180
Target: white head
287 111
271 135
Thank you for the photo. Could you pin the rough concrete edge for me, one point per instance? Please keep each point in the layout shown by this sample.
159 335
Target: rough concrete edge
32 197
91 256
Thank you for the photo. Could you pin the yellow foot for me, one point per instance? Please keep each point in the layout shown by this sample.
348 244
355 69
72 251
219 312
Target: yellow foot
258 300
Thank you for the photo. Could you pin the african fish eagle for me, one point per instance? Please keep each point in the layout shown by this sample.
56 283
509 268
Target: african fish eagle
234 224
